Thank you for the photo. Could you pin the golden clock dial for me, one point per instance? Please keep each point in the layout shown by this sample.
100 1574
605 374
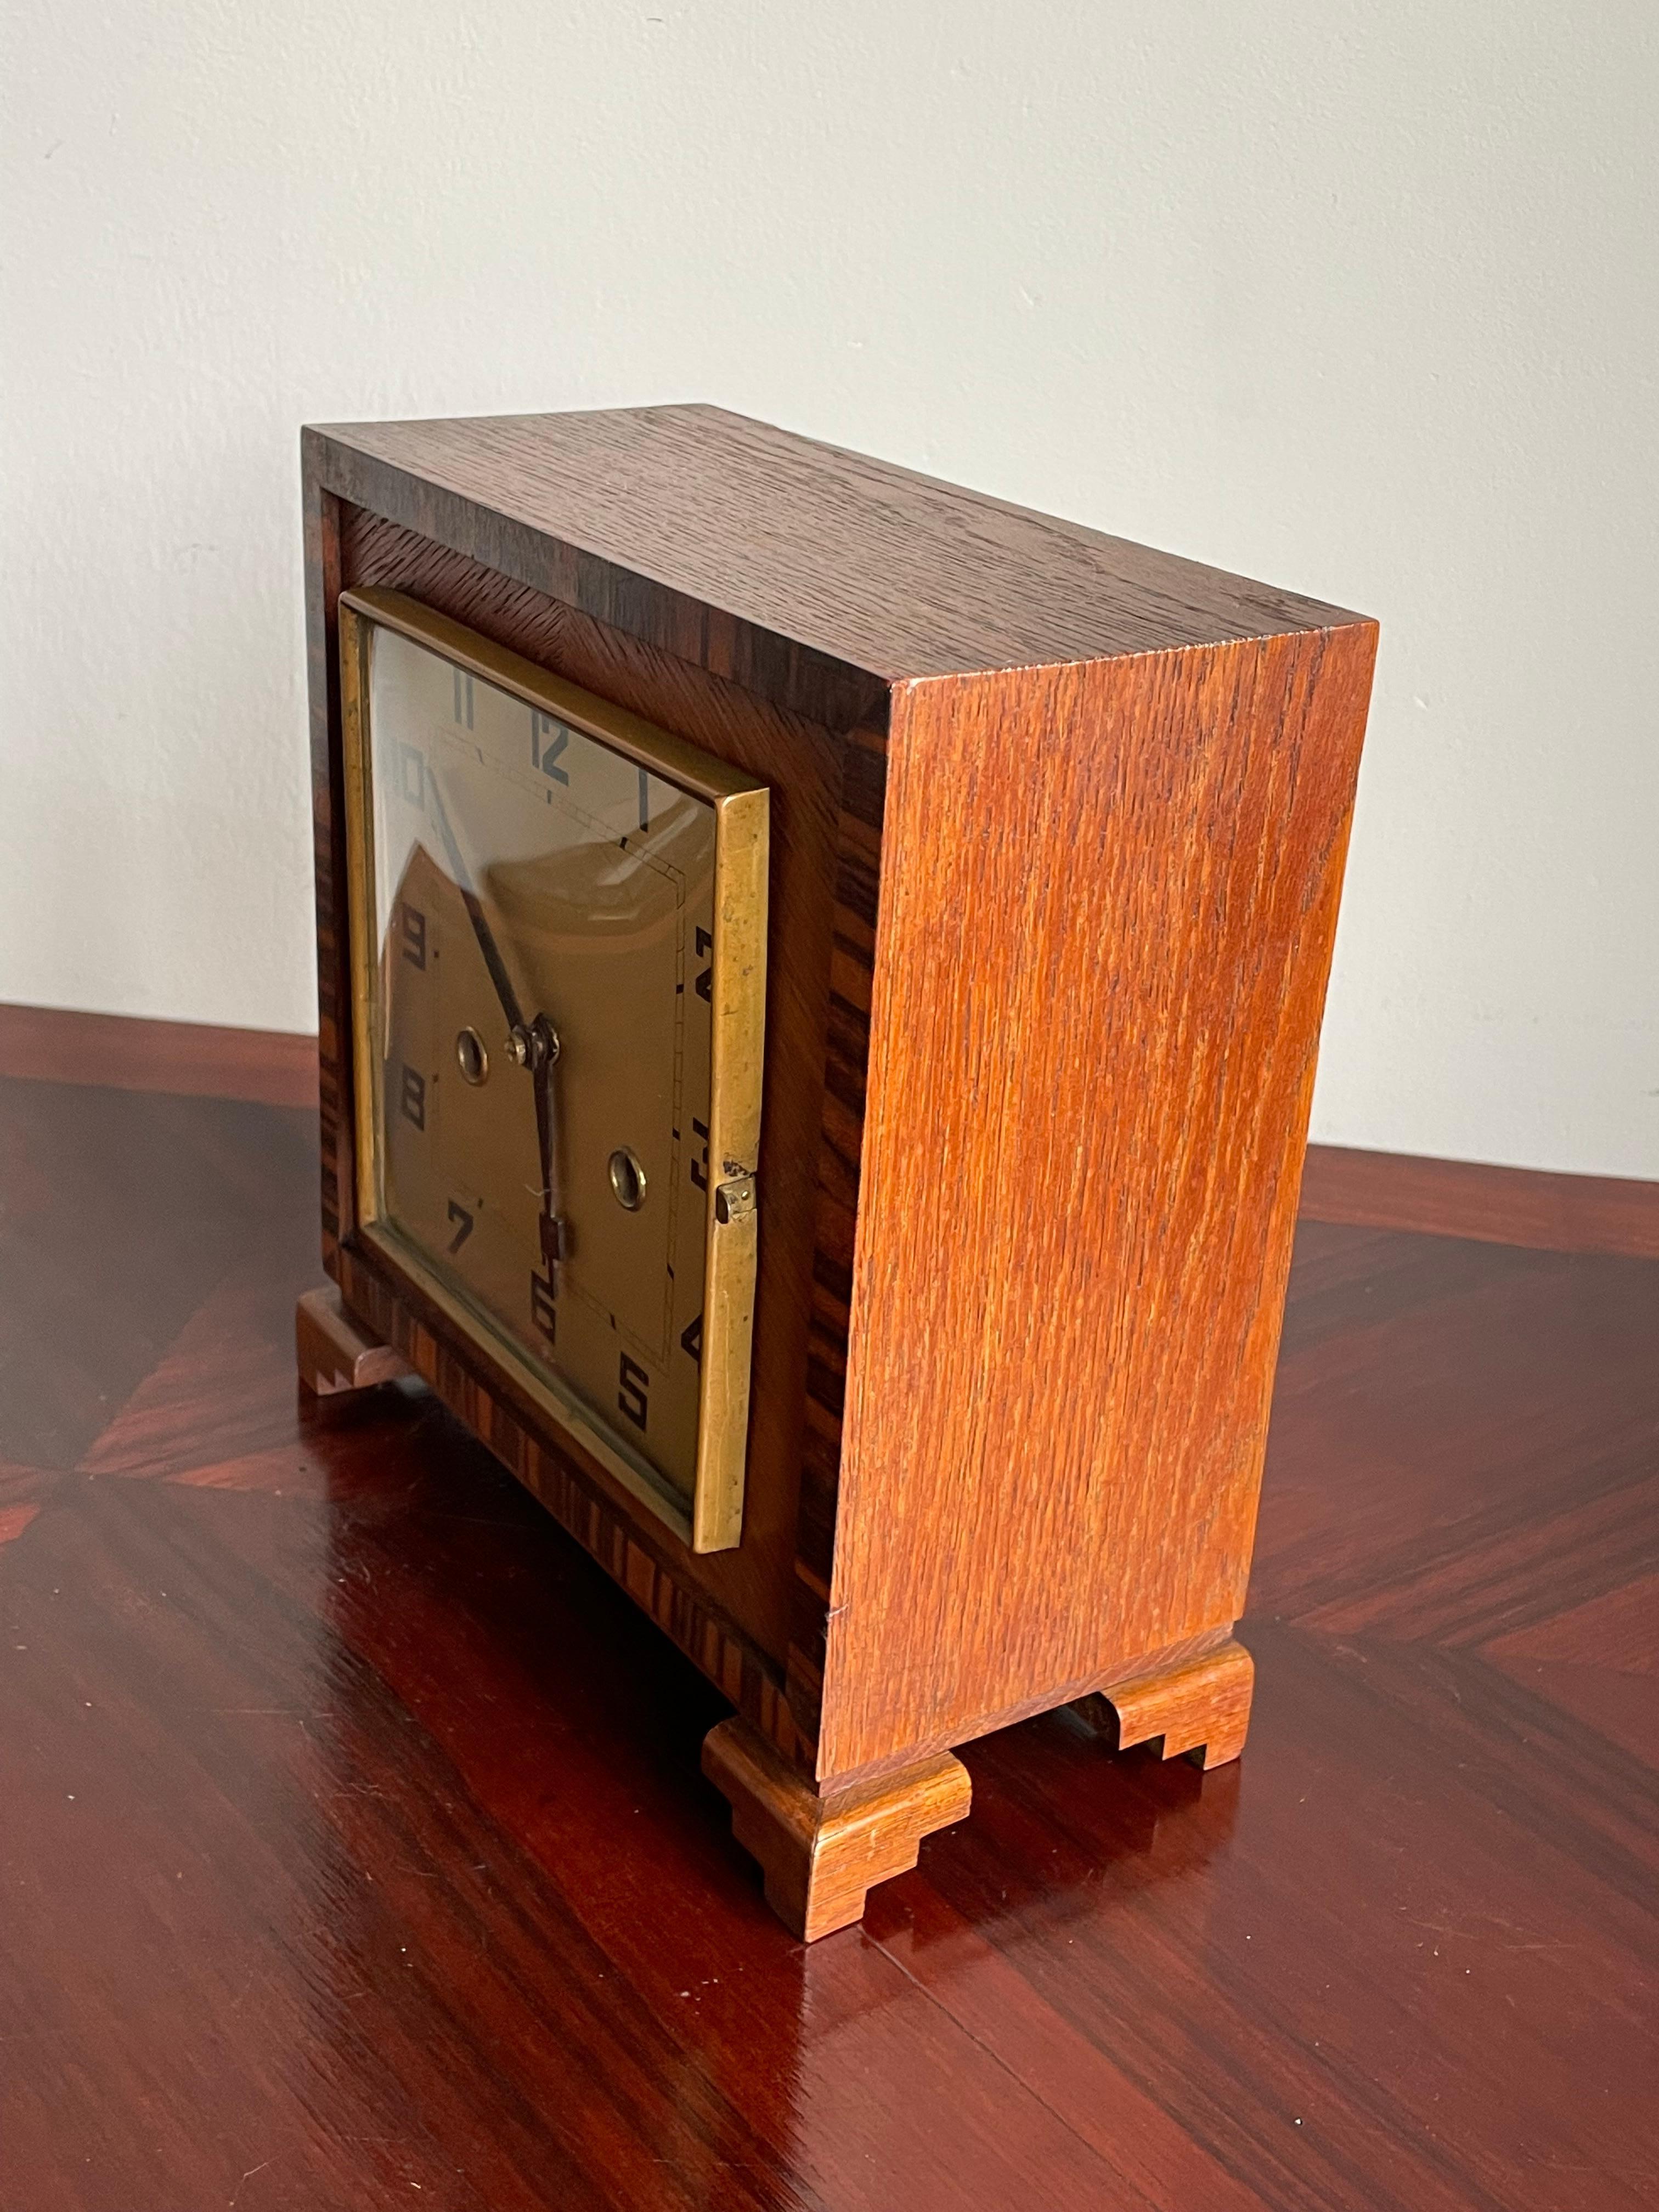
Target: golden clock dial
543 917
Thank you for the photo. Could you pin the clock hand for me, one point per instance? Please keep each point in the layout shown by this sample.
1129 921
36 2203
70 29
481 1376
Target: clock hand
540 1052
476 914
534 1044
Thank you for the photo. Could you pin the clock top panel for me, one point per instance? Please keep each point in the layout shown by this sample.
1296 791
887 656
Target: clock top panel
887 573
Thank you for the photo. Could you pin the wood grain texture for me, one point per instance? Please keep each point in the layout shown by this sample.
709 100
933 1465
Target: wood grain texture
674 522
1199 1711
821 1856
1109 895
333 1354
487 528
194 1060
1469 1198
840 1152
355 1854
320 513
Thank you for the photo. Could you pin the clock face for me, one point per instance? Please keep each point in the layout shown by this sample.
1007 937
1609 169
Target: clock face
542 1028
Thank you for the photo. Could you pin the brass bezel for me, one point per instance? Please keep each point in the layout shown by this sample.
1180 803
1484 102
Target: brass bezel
741 815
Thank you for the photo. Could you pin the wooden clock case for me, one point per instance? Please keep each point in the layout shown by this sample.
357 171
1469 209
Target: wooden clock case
1058 833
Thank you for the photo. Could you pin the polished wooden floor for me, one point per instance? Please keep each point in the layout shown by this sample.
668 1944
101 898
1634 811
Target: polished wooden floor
354 1853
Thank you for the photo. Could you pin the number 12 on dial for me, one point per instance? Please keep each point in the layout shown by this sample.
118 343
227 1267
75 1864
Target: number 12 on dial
558 920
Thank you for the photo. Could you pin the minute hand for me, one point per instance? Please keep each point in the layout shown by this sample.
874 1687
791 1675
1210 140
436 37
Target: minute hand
534 1045
475 913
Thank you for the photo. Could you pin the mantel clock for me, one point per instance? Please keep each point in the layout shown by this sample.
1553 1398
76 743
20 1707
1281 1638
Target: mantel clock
821 973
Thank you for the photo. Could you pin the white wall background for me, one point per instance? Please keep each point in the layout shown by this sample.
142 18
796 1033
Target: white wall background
1361 299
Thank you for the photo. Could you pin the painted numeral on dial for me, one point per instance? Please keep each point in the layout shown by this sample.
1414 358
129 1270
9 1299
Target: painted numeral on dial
633 1383
548 739
462 1219
411 775
700 1168
463 698
543 1312
412 1100
705 976
414 932
691 1339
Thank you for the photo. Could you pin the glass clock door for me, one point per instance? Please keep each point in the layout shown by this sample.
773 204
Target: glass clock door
560 996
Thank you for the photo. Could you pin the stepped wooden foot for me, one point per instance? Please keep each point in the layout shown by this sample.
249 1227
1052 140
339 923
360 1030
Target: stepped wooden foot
820 1855
1201 1709
332 1350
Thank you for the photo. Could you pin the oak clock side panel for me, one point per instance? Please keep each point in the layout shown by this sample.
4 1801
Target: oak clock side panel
802 763
1109 894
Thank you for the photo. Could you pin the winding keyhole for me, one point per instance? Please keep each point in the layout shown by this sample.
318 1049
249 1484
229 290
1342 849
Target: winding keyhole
627 1180
473 1060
